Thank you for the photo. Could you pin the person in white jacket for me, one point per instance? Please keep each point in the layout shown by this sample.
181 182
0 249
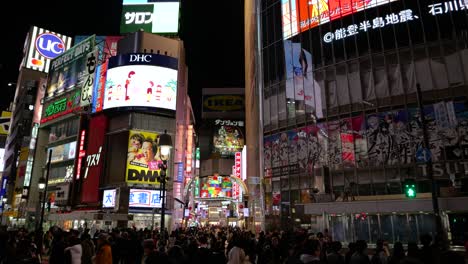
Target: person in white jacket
73 253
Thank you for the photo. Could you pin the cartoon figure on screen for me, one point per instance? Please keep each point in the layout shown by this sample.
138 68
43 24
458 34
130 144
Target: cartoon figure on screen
149 92
134 149
127 83
109 93
118 92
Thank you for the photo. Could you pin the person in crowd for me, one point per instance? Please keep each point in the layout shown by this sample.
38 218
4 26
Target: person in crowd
236 254
381 253
412 255
311 252
398 253
334 256
350 252
88 249
74 251
361 255
57 248
104 251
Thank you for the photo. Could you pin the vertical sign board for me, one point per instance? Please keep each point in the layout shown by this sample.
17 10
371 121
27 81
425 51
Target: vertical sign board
94 160
90 79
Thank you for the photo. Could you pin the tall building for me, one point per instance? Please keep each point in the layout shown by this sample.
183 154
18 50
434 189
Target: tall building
342 128
221 141
40 47
103 135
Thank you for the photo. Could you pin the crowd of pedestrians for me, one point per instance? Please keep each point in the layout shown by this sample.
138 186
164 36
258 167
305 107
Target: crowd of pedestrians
208 245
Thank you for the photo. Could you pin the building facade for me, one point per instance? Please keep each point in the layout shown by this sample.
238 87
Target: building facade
341 120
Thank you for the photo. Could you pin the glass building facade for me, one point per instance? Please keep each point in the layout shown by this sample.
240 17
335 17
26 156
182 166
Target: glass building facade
341 120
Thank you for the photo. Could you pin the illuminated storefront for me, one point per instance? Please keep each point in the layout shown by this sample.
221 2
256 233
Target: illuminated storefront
341 121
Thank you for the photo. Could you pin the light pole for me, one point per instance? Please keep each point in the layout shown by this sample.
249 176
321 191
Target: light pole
165 143
42 184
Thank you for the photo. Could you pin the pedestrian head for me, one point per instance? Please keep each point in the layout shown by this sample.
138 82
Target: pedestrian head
361 246
148 246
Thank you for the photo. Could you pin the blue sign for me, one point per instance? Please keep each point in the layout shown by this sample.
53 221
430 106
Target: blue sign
49 45
423 155
180 172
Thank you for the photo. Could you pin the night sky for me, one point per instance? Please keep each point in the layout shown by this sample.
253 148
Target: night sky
212 34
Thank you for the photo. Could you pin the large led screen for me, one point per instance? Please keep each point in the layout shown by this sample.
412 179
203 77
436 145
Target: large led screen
215 187
301 15
141 86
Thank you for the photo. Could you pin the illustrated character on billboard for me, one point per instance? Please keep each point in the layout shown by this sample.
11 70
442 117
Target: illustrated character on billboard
127 83
149 91
136 142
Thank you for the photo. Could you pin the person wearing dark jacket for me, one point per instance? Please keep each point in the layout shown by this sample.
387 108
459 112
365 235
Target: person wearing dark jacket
360 256
88 249
334 257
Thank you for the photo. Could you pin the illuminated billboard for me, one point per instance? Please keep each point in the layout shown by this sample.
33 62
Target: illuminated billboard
70 70
216 187
143 158
228 137
140 198
63 152
41 46
301 15
154 17
141 80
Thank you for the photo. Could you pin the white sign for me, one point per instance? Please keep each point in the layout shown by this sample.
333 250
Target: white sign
378 22
2 161
108 199
141 85
137 198
145 198
447 7
220 122
87 89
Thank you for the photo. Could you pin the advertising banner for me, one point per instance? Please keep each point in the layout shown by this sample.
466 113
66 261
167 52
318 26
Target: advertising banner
216 186
69 70
223 103
90 78
39 97
141 80
141 198
63 152
145 198
156 17
301 15
94 159
143 158
228 137
41 46
62 105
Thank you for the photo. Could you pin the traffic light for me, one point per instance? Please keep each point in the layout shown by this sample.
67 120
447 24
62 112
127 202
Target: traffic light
410 188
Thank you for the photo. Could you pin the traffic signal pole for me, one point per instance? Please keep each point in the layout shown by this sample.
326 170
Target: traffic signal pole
434 188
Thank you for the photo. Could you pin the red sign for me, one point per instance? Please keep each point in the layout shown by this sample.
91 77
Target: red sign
94 159
237 164
81 154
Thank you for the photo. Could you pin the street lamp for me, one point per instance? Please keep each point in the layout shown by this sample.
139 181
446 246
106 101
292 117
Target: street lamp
165 144
42 185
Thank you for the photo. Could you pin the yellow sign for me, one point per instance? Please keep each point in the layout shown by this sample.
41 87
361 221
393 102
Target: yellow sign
223 103
143 158
5 122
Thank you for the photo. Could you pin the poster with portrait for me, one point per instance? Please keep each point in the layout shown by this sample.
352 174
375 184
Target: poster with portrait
301 86
360 141
143 157
275 151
